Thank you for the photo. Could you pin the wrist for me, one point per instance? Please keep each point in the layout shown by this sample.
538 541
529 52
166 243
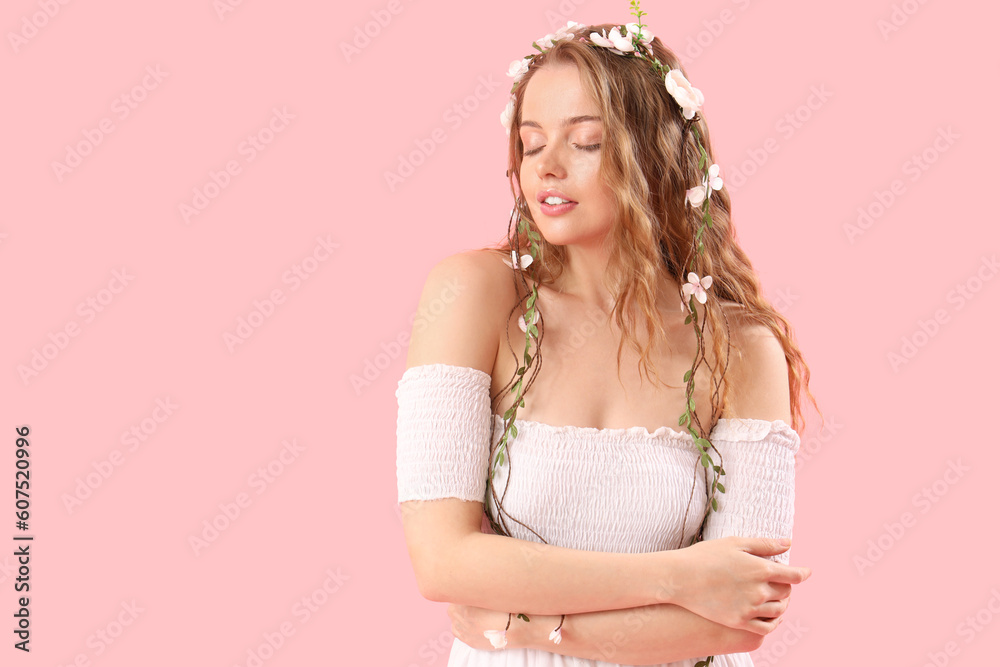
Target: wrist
664 574
533 634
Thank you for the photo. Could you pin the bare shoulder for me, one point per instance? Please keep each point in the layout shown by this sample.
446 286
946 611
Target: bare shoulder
758 370
461 311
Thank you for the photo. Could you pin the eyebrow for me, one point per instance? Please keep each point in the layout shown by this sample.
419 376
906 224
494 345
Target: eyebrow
568 121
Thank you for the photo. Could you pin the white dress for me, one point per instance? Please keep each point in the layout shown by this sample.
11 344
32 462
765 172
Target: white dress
621 490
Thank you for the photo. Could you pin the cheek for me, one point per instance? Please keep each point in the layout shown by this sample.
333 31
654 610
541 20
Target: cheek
587 167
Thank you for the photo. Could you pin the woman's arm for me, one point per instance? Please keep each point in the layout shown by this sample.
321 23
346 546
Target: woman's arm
652 634
455 562
648 635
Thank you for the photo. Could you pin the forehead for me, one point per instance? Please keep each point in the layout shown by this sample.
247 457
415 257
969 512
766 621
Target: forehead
556 92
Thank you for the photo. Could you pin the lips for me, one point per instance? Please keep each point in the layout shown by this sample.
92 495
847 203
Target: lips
553 193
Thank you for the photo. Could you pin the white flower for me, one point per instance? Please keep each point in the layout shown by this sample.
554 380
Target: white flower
645 36
556 635
696 287
596 38
688 97
524 263
621 42
497 637
545 43
695 196
713 177
699 193
523 325
564 32
507 115
518 68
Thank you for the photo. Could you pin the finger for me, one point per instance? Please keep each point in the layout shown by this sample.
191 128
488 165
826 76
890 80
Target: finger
773 591
772 609
785 574
762 546
763 626
778 591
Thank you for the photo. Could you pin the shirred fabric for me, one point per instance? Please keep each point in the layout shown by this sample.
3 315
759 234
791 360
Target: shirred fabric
442 433
623 490
759 460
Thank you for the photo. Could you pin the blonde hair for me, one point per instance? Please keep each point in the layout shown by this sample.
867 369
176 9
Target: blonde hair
649 159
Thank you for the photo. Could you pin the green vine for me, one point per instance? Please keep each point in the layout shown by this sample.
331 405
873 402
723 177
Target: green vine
640 48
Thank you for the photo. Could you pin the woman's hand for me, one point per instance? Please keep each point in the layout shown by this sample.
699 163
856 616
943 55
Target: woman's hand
731 581
469 623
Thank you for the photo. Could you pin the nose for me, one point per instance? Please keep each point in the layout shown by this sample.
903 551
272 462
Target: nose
550 162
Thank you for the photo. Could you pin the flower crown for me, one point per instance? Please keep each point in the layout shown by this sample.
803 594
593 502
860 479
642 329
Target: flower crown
632 40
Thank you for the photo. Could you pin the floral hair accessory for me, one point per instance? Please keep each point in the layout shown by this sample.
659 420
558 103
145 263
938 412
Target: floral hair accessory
497 637
696 287
515 262
632 40
700 193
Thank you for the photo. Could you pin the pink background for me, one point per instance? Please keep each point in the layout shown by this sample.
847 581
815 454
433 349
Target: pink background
330 506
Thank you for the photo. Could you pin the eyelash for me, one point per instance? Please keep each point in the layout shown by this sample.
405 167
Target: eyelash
592 147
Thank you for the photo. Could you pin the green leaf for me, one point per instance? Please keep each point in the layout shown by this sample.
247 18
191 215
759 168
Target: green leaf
683 420
708 219
701 247
721 488
522 402
513 431
687 376
701 161
715 504
705 461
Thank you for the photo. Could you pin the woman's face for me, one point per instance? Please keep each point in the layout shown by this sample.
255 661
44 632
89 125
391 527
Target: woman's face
562 131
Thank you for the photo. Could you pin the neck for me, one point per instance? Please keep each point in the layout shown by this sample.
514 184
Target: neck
585 277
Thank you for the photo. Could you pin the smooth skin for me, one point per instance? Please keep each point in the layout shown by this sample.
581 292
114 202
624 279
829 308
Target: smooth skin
717 596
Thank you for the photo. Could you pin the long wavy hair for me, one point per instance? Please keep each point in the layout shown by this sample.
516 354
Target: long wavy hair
649 159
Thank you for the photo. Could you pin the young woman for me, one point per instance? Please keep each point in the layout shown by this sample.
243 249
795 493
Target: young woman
592 497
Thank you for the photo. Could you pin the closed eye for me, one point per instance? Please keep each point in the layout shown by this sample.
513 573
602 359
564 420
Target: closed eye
592 147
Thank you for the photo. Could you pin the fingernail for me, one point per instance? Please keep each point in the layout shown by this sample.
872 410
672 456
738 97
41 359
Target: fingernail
785 542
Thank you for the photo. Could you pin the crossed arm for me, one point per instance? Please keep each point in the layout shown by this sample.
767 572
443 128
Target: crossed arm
651 634
617 613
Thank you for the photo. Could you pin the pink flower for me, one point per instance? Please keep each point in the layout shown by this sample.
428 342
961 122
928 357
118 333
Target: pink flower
507 115
687 96
556 635
514 263
645 36
600 40
621 42
518 68
564 32
699 193
497 637
696 287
